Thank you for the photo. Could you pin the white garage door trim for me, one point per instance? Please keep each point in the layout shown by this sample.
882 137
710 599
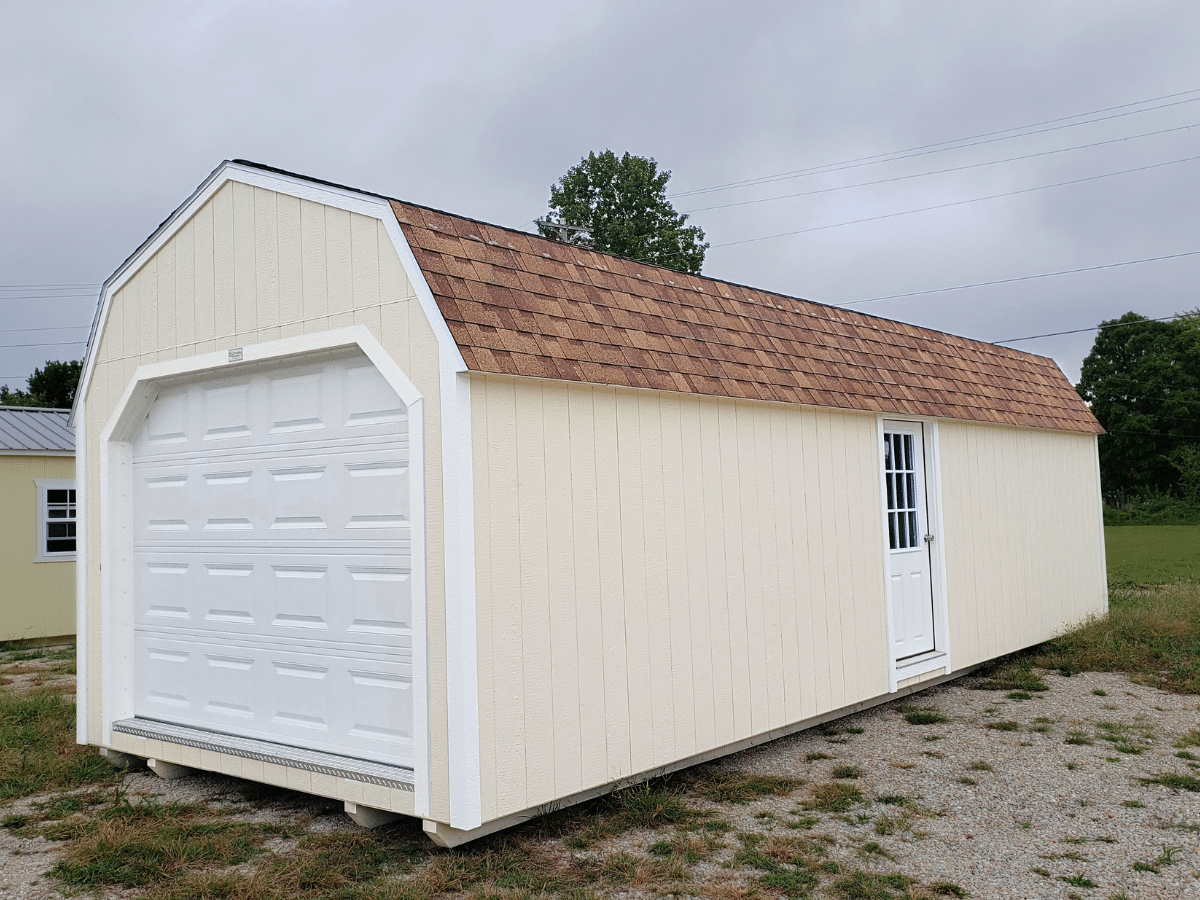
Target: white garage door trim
116 487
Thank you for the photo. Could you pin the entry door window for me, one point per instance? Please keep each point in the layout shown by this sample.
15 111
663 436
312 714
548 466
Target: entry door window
900 474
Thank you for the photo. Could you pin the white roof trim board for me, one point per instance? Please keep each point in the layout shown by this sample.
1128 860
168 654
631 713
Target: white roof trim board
35 430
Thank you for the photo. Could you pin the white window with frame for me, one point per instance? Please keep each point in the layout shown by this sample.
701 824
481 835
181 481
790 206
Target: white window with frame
56 520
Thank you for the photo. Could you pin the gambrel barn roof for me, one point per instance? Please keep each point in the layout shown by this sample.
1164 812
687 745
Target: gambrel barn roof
518 304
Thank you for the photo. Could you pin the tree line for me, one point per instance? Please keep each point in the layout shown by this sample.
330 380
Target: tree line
1142 381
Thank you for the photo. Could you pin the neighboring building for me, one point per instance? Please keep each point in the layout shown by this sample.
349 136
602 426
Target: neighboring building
448 520
37 524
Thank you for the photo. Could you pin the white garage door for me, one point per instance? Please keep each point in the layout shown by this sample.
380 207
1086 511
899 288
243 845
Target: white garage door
272 555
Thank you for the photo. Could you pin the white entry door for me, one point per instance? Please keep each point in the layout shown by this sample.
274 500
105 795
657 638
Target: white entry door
272 560
910 590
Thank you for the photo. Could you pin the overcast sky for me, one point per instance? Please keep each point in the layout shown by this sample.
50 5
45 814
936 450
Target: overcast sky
112 113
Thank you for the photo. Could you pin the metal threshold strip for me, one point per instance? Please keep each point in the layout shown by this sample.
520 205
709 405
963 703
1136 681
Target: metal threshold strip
398 777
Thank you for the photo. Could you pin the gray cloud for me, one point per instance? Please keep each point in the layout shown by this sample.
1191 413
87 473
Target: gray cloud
110 114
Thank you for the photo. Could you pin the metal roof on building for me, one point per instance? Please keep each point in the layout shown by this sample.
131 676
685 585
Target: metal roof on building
35 429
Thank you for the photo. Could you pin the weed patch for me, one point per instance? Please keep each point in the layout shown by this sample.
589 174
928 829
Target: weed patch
1003 726
1079 880
650 805
923 716
740 787
1191 739
1150 633
135 844
1177 782
861 885
833 798
1010 674
37 746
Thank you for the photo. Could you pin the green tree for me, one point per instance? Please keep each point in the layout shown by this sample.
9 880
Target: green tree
1142 379
52 387
622 204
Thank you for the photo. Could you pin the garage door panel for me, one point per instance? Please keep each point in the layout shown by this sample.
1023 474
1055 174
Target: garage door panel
272 540
364 490
362 599
352 705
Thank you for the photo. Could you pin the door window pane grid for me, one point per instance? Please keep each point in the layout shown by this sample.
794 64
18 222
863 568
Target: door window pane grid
900 478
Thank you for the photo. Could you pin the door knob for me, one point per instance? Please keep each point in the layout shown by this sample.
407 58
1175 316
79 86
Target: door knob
929 538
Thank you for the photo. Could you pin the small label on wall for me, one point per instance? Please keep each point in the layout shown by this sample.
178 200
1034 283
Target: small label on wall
235 355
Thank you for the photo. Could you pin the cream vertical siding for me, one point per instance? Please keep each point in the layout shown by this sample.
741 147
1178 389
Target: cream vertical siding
252 266
659 575
37 599
1022 535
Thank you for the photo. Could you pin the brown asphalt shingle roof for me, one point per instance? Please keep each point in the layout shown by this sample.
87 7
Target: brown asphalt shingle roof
518 304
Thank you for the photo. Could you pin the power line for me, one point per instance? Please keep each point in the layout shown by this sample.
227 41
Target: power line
962 287
909 212
23 287
47 296
1033 337
49 344
994 162
943 146
53 328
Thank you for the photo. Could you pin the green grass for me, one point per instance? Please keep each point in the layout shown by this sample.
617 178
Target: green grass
833 797
923 716
1177 782
37 746
1152 554
861 885
740 787
135 844
1152 634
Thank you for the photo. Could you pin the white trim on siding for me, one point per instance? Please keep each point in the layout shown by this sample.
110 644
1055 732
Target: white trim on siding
1100 520
81 579
458 508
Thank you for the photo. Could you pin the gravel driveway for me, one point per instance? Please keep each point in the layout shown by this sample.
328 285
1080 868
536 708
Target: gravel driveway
1045 803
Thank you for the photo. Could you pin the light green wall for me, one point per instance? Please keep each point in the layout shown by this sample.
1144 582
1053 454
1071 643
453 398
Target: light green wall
37 599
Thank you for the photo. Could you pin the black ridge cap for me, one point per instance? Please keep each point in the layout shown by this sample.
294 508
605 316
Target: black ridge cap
525 234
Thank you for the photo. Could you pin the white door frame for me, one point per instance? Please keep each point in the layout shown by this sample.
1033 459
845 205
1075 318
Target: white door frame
116 489
939 657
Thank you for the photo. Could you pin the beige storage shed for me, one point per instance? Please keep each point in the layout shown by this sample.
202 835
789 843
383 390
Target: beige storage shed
446 520
37 525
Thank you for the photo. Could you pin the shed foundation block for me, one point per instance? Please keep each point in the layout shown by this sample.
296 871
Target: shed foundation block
369 816
121 760
170 771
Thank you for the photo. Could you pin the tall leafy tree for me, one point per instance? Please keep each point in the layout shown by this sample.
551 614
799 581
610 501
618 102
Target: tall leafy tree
621 203
1142 379
52 386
